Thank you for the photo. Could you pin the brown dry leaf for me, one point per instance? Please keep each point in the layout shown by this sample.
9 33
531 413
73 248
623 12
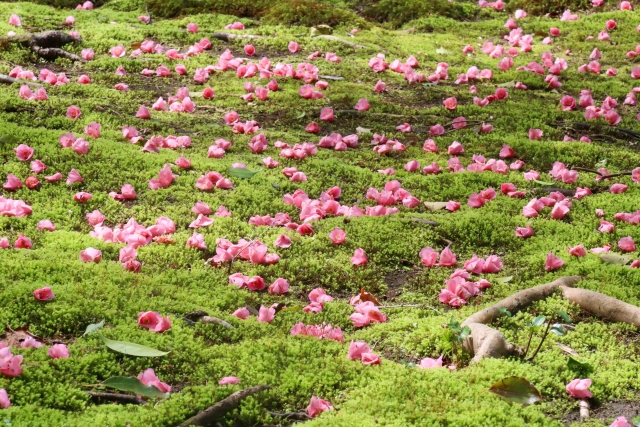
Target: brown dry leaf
567 349
13 337
136 45
366 296
165 238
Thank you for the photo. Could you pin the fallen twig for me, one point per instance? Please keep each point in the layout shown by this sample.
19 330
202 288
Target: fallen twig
603 175
47 45
409 306
121 398
11 80
203 317
208 416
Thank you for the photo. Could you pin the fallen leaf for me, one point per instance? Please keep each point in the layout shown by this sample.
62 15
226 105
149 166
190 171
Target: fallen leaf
442 51
542 182
567 349
133 385
361 130
133 349
503 280
435 206
243 173
615 259
93 327
425 221
516 390
366 296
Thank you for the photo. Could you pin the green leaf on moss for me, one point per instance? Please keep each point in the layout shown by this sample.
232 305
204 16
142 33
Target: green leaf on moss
243 173
542 182
615 259
93 327
584 368
516 390
133 349
133 385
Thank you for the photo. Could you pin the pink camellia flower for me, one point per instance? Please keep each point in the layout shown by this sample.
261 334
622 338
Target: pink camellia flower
192 27
283 241
450 103
319 295
154 321
578 251
95 218
476 201
326 114
447 258
356 349
149 378
117 51
359 257
93 129
43 294
249 50
579 388
455 148
22 242
618 188
15 20
625 5
73 112
293 47
242 313
627 244
552 262
46 225
338 237
318 406
266 315
606 226
87 54
279 287
143 113
428 256
229 381
524 232
362 105
58 351
90 255
621 421
452 206
30 342
23 152
196 241
429 363
370 359
82 197
535 134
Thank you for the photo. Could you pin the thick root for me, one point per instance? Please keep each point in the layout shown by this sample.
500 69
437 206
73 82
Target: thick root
209 416
487 342
47 45
520 300
603 306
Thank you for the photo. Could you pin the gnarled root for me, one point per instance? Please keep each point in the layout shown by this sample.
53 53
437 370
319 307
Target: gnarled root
213 413
47 45
485 341
603 306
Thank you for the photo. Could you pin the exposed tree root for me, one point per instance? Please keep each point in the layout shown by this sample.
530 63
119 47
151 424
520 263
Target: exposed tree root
603 306
46 45
11 80
485 341
213 413
115 397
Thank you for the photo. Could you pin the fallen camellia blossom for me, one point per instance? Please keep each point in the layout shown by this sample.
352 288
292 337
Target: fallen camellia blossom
153 321
43 294
229 381
428 363
58 351
148 377
579 388
318 406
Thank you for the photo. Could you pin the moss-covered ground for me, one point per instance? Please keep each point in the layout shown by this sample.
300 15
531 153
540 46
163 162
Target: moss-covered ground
174 279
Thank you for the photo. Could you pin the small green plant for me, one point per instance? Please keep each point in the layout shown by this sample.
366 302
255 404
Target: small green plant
536 325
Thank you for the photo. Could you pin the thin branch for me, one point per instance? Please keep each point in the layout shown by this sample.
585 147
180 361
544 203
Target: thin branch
602 175
544 337
11 80
209 416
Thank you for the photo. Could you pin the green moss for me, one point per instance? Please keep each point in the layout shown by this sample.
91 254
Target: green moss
174 280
